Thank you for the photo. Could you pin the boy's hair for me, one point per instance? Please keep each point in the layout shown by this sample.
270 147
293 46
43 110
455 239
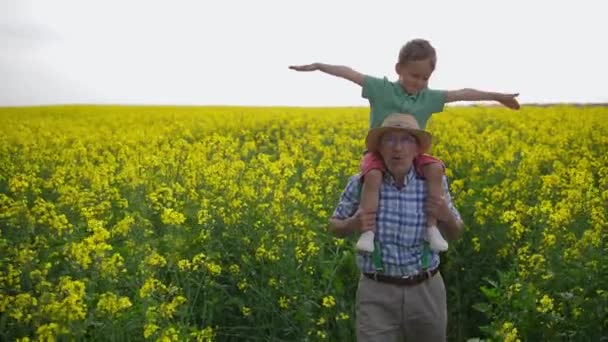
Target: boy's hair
417 50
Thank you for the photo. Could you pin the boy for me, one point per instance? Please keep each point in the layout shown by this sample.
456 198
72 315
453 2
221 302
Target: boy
409 94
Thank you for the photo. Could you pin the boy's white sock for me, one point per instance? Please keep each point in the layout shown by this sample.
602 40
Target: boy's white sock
366 242
435 239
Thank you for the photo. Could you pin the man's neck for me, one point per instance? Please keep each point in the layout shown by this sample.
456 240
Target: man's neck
400 179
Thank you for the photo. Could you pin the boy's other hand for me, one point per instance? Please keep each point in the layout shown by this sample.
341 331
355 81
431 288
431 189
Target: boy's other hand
509 100
307 67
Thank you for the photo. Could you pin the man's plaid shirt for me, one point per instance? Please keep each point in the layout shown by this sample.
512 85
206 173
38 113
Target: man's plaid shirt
400 223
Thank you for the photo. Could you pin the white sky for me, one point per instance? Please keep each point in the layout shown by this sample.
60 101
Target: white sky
237 52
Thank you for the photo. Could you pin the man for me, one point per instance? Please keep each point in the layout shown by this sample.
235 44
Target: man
400 292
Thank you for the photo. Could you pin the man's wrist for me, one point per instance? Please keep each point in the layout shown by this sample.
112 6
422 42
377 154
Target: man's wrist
350 225
451 225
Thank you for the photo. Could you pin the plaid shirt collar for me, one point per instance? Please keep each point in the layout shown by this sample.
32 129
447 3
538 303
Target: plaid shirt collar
390 180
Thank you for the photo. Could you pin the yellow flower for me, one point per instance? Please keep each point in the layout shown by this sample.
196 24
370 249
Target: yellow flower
22 307
339 242
545 304
205 335
169 335
170 216
329 301
246 311
476 244
123 226
342 316
156 260
50 331
284 302
184 265
112 267
68 301
167 310
509 332
234 269
198 261
549 239
150 329
151 286
213 268
111 304
242 285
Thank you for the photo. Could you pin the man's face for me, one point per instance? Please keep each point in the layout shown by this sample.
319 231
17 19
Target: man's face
414 75
398 149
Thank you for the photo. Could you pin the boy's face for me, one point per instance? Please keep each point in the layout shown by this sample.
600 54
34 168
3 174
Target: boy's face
414 76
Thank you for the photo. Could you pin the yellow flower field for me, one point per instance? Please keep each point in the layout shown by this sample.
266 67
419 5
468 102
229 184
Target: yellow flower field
209 224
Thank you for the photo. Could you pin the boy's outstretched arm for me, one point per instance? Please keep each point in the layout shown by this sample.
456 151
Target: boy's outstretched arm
336 70
467 94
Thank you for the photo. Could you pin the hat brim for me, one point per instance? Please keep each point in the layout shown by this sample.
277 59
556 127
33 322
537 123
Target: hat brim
372 141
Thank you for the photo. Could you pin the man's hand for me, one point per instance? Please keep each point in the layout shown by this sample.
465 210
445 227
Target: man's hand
307 67
508 100
438 208
364 220
449 224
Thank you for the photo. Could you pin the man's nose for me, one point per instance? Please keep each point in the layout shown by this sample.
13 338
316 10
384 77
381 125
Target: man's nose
398 146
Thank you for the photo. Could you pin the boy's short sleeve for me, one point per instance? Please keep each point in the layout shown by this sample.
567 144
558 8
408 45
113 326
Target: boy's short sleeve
435 100
373 87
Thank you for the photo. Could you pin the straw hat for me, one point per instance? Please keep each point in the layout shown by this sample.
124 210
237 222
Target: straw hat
400 122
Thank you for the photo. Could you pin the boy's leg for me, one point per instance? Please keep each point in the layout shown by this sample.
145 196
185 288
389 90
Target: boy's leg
370 193
433 172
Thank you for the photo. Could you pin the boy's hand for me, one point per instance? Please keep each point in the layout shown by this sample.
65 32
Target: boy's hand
307 67
508 100
335 70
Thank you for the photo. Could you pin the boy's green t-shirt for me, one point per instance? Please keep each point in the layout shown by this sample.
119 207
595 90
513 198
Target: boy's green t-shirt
386 97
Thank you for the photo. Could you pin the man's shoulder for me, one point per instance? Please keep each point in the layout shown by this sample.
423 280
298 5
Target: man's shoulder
354 180
352 189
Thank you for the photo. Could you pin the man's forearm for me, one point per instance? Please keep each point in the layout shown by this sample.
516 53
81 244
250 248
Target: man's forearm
452 228
340 227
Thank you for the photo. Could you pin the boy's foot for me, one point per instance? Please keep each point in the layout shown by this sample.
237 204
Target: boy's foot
366 242
435 239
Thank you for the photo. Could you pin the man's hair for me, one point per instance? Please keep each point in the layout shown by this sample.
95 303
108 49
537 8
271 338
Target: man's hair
417 50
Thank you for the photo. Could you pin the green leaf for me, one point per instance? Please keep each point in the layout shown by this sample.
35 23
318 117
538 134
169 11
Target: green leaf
482 307
491 293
